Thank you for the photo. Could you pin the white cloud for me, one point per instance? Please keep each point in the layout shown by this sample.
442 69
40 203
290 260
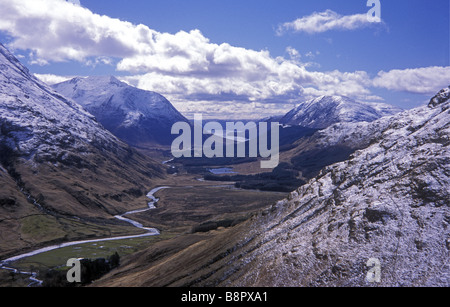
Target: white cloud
186 67
293 53
326 21
52 79
99 60
56 30
277 90
76 2
426 80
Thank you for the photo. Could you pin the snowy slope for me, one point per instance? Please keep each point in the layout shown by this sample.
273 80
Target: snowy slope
389 202
136 116
35 120
325 111
58 161
42 127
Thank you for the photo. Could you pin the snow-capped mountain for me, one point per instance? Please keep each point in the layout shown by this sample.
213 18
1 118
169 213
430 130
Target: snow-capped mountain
36 121
390 202
385 210
136 116
325 111
57 163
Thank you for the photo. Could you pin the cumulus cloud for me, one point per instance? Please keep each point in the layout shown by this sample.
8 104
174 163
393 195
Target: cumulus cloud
186 67
57 30
326 21
293 53
52 79
425 80
277 93
76 2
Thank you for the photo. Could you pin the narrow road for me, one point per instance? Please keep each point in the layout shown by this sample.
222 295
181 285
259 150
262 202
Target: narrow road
150 232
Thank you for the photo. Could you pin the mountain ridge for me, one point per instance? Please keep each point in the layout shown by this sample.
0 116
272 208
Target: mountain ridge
59 166
134 115
324 111
388 201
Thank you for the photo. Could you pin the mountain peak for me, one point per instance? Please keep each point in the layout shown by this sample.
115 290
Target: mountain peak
95 81
324 111
332 98
442 97
136 116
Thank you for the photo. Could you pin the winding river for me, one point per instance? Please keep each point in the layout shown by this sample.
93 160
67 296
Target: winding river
150 232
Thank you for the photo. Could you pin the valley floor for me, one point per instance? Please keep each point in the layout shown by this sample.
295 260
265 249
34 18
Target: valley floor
187 212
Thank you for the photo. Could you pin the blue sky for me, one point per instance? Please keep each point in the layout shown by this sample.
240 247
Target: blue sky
239 58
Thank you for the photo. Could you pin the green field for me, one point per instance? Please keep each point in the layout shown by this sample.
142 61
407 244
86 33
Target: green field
58 257
180 211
